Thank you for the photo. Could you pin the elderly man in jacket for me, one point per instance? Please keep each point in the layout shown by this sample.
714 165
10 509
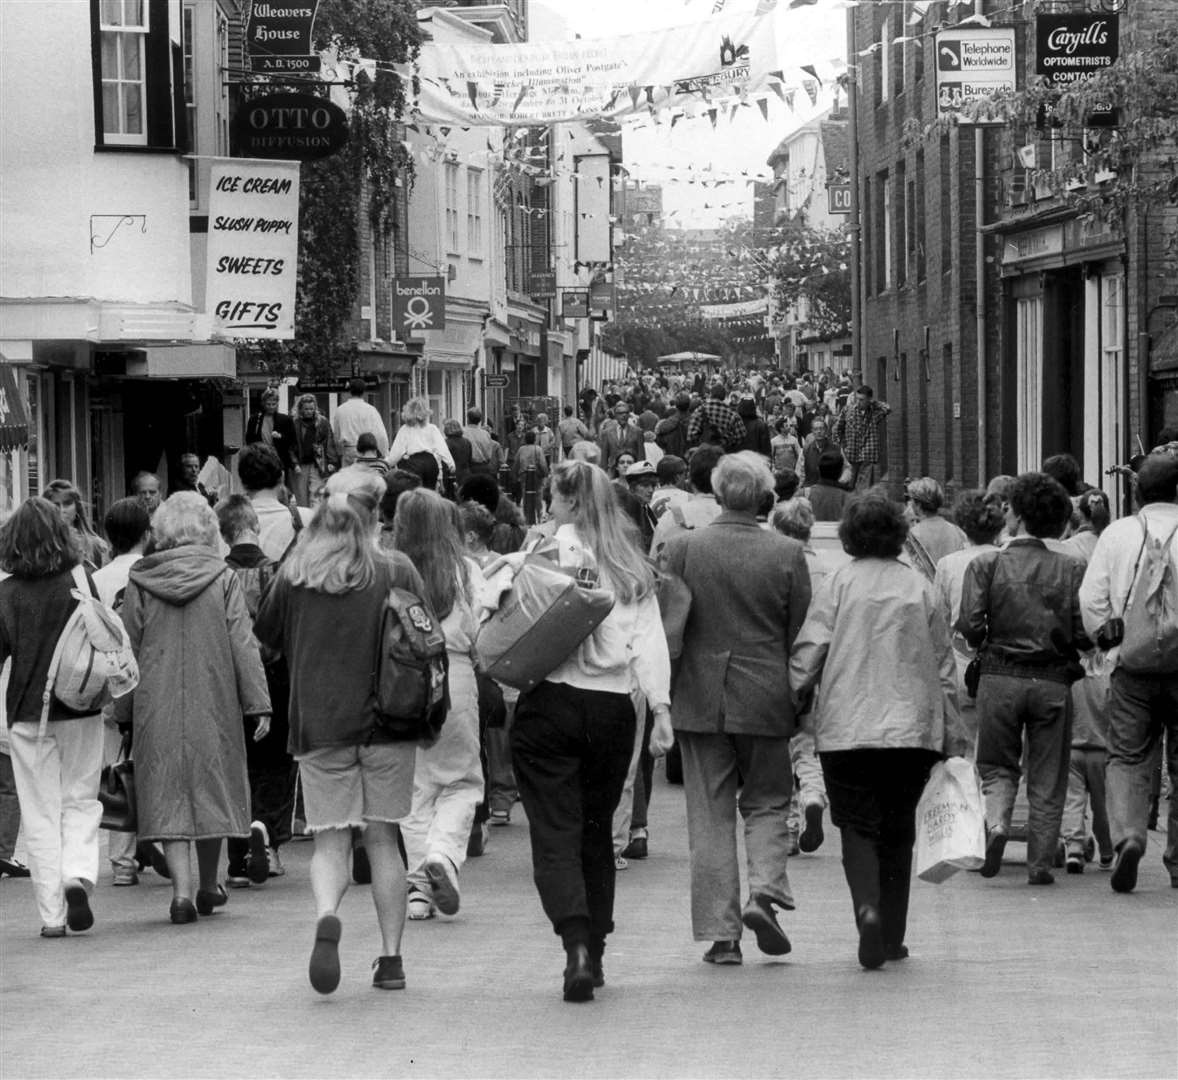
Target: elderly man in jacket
731 708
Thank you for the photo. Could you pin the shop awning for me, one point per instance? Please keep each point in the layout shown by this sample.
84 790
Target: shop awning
14 416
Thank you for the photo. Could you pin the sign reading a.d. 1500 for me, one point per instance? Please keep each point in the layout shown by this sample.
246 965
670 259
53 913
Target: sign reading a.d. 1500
972 64
278 36
419 303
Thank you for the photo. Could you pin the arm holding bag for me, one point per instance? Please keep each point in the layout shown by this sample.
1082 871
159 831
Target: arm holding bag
950 822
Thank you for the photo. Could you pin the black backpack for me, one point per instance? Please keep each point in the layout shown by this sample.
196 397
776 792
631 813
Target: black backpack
411 674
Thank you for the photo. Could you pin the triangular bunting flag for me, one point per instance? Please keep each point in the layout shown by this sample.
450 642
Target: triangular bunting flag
776 88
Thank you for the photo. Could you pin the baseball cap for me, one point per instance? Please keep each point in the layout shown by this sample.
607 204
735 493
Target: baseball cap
639 470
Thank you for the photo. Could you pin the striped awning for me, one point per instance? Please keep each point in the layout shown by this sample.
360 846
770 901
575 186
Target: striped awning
14 414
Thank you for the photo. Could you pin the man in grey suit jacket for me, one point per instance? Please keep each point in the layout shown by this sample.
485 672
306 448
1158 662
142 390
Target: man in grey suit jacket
731 708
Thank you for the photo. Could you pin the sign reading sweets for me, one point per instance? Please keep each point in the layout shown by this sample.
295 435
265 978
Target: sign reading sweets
1073 46
419 303
293 127
278 36
253 247
972 64
546 82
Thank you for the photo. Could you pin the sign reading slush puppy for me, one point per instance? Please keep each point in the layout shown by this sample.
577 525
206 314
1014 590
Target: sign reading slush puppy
253 248
419 303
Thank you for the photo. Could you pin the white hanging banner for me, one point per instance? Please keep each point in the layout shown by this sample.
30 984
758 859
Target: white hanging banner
549 82
730 311
253 249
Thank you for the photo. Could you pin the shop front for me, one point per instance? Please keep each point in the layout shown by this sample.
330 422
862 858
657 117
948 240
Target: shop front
1064 373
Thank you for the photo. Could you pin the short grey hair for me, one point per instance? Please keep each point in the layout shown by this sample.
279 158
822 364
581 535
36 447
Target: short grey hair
794 518
743 481
184 518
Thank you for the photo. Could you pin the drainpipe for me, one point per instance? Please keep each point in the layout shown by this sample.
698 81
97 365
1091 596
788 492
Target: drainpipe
979 209
853 225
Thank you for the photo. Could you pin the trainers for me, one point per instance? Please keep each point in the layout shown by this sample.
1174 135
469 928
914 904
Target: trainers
274 867
1075 862
323 968
1106 861
500 817
258 863
78 916
812 836
620 862
444 879
52 931
238 876
995 846
124 875
791 843
388 973
419 906
1124 877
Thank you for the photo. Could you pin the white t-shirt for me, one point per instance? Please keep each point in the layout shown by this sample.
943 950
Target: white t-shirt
112 578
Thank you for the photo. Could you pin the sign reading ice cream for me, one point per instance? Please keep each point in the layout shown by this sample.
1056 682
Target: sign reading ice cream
253 248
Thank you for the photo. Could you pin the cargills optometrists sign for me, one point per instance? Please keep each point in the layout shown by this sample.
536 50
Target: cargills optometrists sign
1075 45
253 247
278 36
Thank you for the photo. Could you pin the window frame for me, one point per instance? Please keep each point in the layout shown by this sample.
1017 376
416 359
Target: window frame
120 30
474 212
450 198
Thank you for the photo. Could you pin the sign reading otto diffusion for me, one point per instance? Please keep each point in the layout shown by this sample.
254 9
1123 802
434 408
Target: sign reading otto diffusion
972 64
253 247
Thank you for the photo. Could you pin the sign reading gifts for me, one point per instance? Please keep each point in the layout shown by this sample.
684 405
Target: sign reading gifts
253 247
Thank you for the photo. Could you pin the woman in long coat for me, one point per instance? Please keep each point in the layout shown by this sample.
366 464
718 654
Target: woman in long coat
200 673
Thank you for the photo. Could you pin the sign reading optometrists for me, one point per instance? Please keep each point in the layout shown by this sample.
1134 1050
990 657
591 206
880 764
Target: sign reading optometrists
972 64
253 249
419 304
1075 45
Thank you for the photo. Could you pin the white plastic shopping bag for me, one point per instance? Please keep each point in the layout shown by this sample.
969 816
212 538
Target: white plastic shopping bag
950 822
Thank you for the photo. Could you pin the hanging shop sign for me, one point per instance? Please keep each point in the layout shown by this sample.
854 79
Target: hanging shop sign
253 247
838 198
574 303
542 285
293 127
1073 46
601 296
972 64
419 304
278 36
546 82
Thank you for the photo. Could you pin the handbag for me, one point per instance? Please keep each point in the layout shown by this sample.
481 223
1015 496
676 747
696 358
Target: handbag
116 792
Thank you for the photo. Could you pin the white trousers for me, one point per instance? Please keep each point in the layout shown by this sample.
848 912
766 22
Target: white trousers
57 783
447 782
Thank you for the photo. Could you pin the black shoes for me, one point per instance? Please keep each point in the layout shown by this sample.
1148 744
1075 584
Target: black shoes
724 953
182 911
388 973
13 868
1124 877
636 849
759 917
1040 877
324 966
578 975
208 900
872 954
812 836
896 952
148 854
995 846
78 916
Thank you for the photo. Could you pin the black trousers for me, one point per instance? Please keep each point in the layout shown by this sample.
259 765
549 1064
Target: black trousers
571 750
873 796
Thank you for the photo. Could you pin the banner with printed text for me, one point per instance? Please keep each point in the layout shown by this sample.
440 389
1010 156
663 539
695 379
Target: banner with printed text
550 82
253 248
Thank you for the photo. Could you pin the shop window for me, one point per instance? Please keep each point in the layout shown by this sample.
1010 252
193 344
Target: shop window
474 212
906 236
135 103
451 190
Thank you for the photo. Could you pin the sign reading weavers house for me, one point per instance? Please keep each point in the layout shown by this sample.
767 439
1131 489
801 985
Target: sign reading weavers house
279 36
253 247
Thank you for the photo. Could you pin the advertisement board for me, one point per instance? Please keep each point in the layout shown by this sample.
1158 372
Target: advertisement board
1075 45
972 64
278 36
419 303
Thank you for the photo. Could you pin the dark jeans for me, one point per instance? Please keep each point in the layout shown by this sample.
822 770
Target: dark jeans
1008 705
571 749
272 775
1141 709
643 777
873 796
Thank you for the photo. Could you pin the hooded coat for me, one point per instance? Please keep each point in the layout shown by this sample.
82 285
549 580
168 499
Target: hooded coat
200 673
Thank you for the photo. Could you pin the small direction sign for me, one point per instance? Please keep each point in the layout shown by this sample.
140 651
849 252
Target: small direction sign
972 64
838 198
496 382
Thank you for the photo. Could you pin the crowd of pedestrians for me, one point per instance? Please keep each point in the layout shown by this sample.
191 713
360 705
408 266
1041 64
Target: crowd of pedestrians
783 674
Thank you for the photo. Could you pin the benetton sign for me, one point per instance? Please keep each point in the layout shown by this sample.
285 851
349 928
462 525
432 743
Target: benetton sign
419 303
290 127
1074 46
279 35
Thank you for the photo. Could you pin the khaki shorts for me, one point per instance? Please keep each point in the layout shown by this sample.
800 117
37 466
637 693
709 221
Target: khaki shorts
349 785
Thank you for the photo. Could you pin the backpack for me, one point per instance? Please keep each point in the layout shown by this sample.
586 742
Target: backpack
410 676
1150 615
255 581
92 661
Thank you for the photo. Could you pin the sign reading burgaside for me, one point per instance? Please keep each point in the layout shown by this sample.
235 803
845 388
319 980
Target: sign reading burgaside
253 247
419 303
973 64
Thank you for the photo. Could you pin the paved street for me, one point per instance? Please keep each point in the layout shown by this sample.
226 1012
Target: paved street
1004 981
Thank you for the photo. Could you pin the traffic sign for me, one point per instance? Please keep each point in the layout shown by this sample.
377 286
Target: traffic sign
496 382
972 64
